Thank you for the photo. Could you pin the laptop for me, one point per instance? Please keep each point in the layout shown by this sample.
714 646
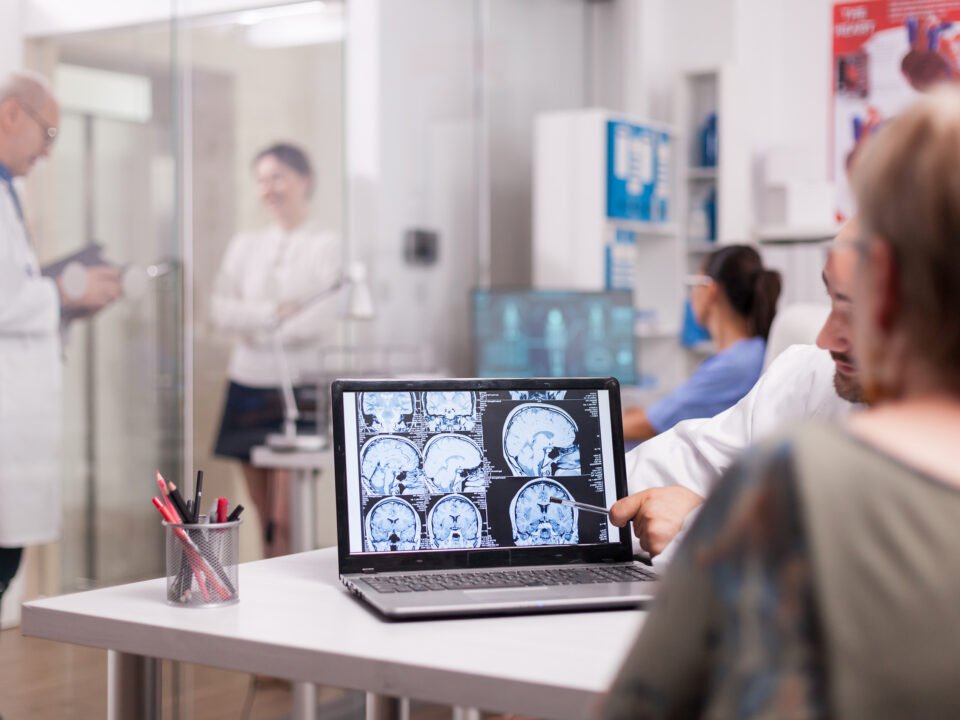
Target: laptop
454 497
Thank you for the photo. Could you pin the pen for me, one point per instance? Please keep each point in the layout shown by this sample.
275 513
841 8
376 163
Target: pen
197 493
221 510
178 503
235 514
581 506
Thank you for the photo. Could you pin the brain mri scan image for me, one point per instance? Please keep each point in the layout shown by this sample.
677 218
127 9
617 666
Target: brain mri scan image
537 521
541 441
387 412
534 395
453 463
454 523
390 465
392 524
449 411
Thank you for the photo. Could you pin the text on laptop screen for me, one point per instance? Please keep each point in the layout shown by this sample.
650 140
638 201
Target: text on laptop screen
476 469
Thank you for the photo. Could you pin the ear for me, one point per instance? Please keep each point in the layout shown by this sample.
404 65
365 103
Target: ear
885 283
9 112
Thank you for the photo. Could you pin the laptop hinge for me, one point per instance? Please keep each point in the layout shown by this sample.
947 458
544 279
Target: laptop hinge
368 571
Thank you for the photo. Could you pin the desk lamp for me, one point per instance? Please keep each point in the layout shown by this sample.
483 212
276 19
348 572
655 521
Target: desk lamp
359 306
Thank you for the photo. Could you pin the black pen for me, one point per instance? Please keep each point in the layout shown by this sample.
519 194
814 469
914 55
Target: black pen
177 498
235 514
580 506
197 493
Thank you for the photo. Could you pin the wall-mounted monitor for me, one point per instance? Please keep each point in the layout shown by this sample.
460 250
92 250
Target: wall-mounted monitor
554 333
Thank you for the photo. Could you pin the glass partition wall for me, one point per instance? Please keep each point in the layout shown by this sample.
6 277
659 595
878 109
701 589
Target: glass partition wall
154 163
418 116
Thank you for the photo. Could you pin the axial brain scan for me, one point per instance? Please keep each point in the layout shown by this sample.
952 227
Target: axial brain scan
452 463
541 440
449 411
537 521
387 411
390 465
454 523
392 524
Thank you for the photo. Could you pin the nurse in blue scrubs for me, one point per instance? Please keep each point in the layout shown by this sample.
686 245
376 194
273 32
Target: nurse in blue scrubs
735 299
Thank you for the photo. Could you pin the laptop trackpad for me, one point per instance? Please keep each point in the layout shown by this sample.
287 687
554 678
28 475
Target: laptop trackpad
541 592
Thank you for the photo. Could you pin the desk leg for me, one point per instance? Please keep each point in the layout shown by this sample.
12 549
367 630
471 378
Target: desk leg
381 707
304 701
133 687
463 713
303 511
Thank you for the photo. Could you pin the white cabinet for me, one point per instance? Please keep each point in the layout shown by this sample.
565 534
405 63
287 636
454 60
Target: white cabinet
605 204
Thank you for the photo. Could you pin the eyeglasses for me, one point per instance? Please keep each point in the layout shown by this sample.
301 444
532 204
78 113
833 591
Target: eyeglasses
49 130
697 281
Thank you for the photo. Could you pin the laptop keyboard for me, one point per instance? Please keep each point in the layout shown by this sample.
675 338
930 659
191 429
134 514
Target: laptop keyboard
422 582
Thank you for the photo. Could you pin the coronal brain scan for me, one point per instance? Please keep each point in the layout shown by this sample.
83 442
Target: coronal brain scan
387 411
449 411
537 521
390 465
534 395
452 463
541 440
392 524
454 524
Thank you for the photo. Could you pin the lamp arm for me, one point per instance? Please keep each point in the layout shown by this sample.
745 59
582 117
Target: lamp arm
290 412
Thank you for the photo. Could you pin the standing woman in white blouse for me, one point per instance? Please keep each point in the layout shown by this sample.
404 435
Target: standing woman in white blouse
261 290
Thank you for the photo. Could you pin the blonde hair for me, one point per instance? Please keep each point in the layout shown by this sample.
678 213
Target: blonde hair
907 185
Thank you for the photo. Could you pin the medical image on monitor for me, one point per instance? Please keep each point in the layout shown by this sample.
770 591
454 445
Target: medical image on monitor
387 411
392 524
477 469
554 333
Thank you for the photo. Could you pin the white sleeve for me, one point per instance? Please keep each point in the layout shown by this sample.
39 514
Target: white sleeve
229 309
695 453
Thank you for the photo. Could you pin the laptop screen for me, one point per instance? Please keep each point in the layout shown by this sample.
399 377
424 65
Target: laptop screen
474 466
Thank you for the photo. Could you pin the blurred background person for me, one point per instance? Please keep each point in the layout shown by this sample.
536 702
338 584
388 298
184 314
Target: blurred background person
262 294
30 324
782 599
735 299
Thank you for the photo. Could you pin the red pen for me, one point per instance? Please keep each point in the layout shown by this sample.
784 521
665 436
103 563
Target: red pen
221 510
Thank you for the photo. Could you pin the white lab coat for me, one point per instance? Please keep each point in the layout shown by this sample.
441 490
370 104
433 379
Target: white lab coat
797 386
261 271
30 389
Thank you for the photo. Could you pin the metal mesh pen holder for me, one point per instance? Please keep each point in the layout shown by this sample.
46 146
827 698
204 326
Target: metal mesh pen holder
202 564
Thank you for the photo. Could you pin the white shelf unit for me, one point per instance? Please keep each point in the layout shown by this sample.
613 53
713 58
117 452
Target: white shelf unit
572 231
700 92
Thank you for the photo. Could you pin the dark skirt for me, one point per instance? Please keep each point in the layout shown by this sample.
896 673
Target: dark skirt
250 414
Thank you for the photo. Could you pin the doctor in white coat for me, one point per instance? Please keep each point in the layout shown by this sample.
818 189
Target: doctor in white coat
670 475
30 355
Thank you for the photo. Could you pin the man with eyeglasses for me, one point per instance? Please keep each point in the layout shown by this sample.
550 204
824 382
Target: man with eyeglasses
30 312
670 475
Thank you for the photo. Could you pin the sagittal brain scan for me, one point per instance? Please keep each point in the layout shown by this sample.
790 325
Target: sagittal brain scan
532 395
454 523
537 521
387 412
449 411
390 465
452 463
431 469
392 525
541 440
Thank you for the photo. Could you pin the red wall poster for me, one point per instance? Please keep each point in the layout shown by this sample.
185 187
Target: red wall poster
885 52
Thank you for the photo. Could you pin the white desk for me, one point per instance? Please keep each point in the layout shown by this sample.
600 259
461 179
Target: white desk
294 620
